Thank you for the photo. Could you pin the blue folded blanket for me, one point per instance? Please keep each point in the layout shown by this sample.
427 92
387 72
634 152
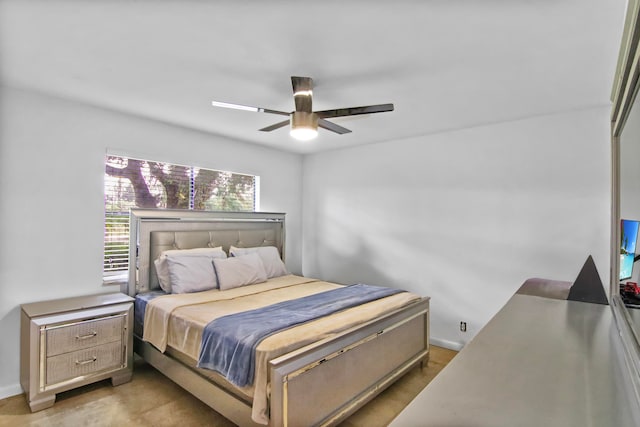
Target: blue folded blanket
229 342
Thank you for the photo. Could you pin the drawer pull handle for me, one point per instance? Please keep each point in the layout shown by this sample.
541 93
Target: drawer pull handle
89 335
84 362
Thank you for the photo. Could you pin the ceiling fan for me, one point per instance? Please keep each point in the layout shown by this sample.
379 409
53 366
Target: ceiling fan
304 121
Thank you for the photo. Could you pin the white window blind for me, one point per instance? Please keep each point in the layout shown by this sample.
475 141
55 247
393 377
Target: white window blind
135 183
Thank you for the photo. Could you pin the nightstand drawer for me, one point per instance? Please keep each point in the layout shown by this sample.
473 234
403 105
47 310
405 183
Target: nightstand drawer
83 362
85 334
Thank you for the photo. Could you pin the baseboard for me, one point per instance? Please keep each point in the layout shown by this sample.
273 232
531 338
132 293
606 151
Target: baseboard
451 345
10 390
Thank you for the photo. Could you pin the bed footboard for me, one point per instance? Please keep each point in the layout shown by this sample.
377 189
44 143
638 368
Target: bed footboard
325 382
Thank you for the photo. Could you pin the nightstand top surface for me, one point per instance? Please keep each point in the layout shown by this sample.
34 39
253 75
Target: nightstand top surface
44 308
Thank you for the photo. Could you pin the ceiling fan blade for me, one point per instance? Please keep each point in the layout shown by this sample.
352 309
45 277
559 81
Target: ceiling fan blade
247 108
354 111
276 126
326 124
302 93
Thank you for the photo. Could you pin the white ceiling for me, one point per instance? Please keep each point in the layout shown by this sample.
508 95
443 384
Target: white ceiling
445 64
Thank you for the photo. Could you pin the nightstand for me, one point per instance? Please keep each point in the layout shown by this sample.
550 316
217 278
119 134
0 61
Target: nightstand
70 342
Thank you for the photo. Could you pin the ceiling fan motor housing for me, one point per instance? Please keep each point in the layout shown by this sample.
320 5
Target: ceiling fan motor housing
302 119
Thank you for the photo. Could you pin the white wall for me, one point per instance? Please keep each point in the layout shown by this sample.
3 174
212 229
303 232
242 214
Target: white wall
51 197
463 217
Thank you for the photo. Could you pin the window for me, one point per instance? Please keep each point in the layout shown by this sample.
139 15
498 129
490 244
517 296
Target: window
134 183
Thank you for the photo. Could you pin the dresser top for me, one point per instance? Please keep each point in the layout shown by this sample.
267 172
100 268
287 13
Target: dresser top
538 362
45 308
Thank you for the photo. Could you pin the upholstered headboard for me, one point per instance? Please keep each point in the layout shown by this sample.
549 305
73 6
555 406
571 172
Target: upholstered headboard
153 231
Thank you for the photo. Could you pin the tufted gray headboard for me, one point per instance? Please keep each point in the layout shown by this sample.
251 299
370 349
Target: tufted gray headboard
155 230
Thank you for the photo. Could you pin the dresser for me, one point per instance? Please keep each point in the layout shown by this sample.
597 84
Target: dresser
540 361
70 342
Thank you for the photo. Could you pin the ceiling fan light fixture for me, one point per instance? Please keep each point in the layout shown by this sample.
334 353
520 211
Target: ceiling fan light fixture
303 134
304 126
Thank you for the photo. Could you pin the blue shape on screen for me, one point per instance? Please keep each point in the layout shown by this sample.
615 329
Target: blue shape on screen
628 238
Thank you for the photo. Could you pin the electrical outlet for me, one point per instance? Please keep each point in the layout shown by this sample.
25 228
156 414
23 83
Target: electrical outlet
463 326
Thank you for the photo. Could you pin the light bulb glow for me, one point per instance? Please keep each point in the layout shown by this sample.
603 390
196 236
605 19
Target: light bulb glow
303 133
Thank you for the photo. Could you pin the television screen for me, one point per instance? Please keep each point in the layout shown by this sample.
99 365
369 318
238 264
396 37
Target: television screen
628 238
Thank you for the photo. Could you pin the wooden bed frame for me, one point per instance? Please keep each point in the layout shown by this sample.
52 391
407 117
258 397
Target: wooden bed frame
319 384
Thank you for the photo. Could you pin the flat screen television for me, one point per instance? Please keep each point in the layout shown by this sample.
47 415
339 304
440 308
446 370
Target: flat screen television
628 238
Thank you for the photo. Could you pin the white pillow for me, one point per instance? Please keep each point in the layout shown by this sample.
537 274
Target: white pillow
239 271
193 273
270 257
162 265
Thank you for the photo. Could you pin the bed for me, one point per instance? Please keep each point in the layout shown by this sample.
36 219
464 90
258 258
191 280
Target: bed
312 373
